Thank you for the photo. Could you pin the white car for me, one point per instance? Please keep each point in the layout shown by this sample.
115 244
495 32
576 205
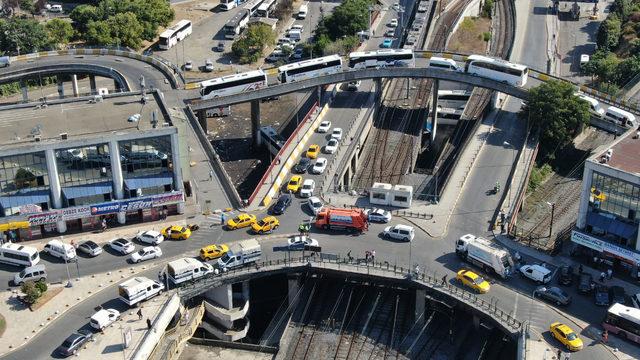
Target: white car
378 215
399 232
324 126
315 204
299 242
308 186
147 253
104 318
299 27
188 66
123 246
319 166
151 237
393 22
331 147
336 134
208 65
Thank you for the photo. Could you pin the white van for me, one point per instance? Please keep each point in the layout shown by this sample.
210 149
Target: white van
619 116
56 8
444 63
60 250
594 105
537 273
32 273
139 289
302 13
104 318
186 269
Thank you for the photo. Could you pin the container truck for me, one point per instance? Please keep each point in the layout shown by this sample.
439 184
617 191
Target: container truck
242 253
342 219
485 254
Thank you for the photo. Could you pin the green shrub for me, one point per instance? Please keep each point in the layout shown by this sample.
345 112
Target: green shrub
538 176
31 292
486 36
42 286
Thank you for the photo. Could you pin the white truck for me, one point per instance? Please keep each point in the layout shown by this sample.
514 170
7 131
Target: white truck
139 289
187 269
242 253
485 254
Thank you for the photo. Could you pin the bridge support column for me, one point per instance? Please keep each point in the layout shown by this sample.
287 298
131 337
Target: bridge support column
202 119
74 85
434 106
222 295
319 95
378 85
255 123
25 91
116 175
419 314
294 287
245 290
60 86
54 185
116 86
346 180
92 84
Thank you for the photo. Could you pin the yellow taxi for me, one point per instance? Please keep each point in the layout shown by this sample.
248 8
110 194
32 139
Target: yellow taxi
313 151
566 336
294 183
241 221
213 251
176 232
266 224
476 282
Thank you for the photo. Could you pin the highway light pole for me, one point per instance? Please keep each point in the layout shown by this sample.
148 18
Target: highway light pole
513 151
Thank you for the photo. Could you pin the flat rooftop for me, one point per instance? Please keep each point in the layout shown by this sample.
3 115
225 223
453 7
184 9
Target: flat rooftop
625 156
79 119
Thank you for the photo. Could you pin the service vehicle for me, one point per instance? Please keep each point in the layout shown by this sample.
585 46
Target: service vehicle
266 224
308 69
176 232
474 281
341 219
103 318
19 255
308 186
32 273
239 254
314 204
594 105
299 242
336 134
138 289
324 126
90 248
484 254
331 146
553 294
566 336
187 269
537 273
280 206
378 215
399 232
241 221
150 237
313 151
214 251
122 245
623 321
382 58
319 166
620 117
54 8
60 250
294 183
72 344
146 253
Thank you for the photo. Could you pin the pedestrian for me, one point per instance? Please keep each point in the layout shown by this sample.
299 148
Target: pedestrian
602 276
605 336
210 175
444 279
580 269
373 256
104 224
609 273
222 219
366 255
139 314
148 324
349 256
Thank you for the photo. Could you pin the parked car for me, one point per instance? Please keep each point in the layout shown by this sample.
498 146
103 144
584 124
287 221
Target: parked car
220 47
314 204
214 251
241 221
537 273
176 232
297 54
319 166
104 318
313 151
90 248
298 27
585 283
324 126
472 280
386 43
390 33
601 296
399 232
146 253
299 242
331 147
151 237
208 65
566 275
281 205
393 22
308 186
74 342
123 246
566 336
336 134
188 65
266 224
553 294
378 215
302 165
294 184
618 295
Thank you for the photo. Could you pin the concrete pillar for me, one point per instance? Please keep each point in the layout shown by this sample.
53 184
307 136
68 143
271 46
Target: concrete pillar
378 86
116 175
202 119
255 122
419 314
25 92
177 169
92 83
346 179
294 288
434 106
54 186
245 290
74 85
60 86
222 295
319 94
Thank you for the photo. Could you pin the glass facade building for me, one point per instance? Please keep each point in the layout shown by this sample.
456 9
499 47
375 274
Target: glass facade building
24 184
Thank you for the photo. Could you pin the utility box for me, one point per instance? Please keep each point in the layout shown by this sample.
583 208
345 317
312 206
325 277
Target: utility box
381 194
401 196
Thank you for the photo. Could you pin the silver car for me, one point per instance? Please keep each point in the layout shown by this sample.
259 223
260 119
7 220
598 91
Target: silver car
90 248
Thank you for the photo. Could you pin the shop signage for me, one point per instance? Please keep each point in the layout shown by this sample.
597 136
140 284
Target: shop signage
30 209
53 216
604 246
44 218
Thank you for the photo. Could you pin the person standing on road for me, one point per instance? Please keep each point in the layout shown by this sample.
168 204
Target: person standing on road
444 279
373 256
210 175
148 324
602 276
605 336
139 314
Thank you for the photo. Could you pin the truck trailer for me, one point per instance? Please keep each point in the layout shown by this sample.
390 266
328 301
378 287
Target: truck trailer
342 219
485 254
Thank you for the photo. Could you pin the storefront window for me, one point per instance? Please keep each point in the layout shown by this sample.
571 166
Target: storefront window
85 174
24 182
146 156
615 196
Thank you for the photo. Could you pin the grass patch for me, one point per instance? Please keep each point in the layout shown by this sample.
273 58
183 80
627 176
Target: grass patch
470 37
538 176
50 294
3 325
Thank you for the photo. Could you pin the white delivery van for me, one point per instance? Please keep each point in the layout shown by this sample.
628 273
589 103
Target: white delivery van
56 8
537 273
302 13
60 250
244 252
31 273
443 63
594 105
186 269
139 289
620 117
104 318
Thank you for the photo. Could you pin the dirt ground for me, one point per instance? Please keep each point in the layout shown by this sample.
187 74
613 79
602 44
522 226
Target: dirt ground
197 352
468 37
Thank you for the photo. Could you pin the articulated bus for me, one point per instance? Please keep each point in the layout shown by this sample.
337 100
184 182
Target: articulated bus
175 33
236 24
623 321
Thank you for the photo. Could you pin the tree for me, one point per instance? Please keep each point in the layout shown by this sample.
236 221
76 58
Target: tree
603 64
28 6
556 113
283 10
609 33
18 35
627 70
249 48
487 9
347 19
98 33
126 30
82 15
60 31
31 292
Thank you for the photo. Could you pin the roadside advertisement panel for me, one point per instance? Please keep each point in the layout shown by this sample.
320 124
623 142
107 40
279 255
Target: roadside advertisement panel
604 246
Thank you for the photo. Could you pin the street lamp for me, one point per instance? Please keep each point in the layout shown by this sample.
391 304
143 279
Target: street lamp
513 151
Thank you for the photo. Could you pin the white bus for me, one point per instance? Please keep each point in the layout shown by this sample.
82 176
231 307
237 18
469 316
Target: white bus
623 321
175 33
253 6
265 8
308 69
233 84
227 5
496 69
236 24
19 255
382 58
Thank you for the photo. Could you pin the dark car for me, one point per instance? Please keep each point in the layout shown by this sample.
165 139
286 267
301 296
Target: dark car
601 296
302 166
282 204
585 283
566 275
74 342
617 295
553 294
220 47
